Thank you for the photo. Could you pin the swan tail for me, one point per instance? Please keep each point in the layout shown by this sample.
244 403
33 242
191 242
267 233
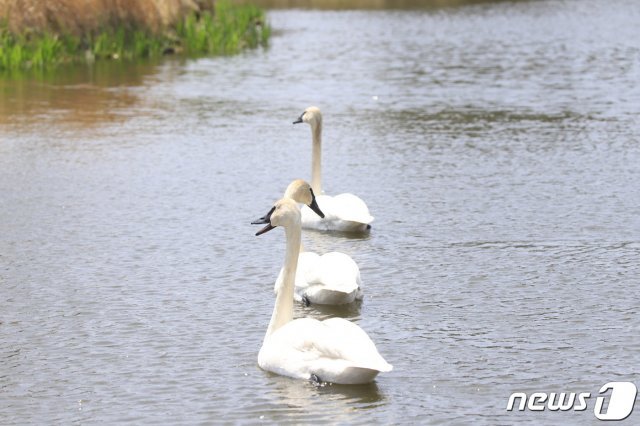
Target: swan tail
323 296
346 373
360 351
375 362
356 376
351 208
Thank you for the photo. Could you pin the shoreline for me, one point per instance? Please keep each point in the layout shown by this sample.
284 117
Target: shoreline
213 28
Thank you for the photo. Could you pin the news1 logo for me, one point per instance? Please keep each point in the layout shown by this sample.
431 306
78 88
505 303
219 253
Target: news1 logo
619 407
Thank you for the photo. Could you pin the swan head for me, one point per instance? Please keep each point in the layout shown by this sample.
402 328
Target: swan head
284 213
301 192
312 116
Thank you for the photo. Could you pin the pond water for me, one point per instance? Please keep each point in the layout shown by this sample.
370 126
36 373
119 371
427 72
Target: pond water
497 145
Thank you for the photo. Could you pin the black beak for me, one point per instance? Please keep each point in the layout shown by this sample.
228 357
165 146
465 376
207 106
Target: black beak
314 205
299 120
264 219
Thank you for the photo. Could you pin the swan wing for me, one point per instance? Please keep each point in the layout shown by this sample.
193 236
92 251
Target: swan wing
307 267
337 271
351 208
353 344
336 339
331 279
335 349
305 273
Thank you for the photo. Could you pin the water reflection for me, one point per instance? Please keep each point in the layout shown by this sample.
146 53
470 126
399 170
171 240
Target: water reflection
322 312
340 400
368 395
77 95
325 241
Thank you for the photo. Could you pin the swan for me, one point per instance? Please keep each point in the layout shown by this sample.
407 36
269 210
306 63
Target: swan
329 279
344 212
334 350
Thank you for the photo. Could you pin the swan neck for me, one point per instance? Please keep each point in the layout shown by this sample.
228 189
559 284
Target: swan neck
316 161
283 309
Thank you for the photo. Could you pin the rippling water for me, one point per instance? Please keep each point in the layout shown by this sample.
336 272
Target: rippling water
496 145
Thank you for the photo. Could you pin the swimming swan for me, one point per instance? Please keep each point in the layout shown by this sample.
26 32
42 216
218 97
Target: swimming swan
330 279
344 212
334 350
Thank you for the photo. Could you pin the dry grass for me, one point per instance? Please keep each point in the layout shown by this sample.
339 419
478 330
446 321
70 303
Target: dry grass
81 17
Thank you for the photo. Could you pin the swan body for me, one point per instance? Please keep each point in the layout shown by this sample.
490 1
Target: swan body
330 279
345 212
334 350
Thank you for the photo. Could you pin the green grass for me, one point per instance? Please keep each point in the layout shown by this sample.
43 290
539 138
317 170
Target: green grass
218 33
229 30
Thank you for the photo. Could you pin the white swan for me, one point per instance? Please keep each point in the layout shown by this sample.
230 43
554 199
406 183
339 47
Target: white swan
330 279
344 212
334 350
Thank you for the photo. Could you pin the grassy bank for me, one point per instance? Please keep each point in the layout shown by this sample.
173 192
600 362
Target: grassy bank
226 29
365 4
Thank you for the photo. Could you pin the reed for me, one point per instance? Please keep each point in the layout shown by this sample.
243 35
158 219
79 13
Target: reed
227 29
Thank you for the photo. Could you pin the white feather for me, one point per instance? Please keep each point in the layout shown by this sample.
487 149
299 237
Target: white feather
334 350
